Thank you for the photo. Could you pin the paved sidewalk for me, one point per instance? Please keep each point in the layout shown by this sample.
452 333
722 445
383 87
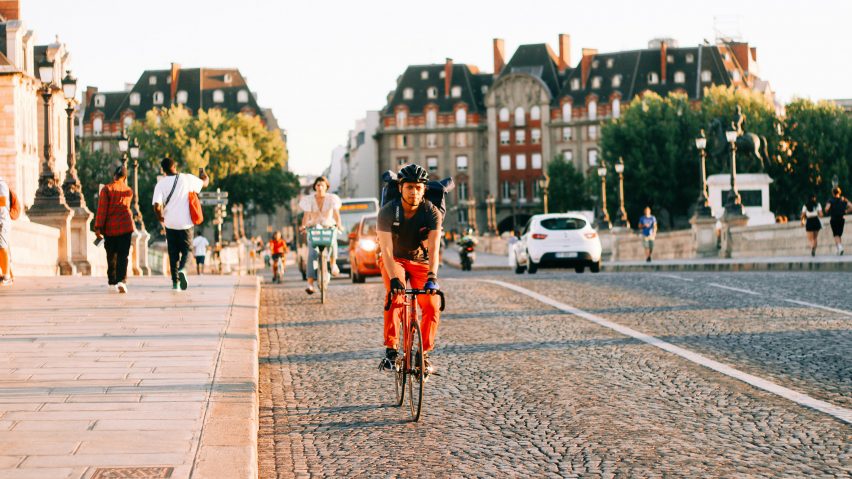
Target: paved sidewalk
155 383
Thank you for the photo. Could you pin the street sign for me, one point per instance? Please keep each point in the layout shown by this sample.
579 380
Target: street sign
212 201
208 195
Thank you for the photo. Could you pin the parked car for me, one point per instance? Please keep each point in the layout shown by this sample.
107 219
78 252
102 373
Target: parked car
363 246
558 240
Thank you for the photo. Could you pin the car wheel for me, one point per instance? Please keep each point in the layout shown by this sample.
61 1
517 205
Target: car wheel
518 268
532 266
579 269
595 267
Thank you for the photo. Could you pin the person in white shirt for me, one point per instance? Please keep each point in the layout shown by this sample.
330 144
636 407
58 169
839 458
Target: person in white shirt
199 245
321 208
5 232
171 204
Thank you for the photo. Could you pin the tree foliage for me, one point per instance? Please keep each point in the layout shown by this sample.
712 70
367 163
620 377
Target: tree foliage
568 190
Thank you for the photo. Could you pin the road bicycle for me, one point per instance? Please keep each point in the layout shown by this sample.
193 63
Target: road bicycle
322 239
277 269
409 367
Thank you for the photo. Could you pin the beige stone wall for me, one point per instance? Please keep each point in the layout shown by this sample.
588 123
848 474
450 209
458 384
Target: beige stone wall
19 160
671 245
785 240
34 248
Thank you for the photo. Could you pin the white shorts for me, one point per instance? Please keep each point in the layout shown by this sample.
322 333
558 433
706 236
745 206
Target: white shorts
5 231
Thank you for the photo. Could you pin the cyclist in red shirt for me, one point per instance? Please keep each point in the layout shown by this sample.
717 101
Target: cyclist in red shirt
278 249
409 231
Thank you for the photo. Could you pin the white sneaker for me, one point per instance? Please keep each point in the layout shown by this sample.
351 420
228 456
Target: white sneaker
6 282
121 288
309 289
335 271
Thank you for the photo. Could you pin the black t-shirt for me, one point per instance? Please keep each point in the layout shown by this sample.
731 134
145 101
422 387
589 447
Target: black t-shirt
409 242
838 207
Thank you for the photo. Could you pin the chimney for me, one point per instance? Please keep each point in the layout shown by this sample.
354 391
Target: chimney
753 53
448 77
499 55
663 58
10 10
174 77
90 92
564 52
586 65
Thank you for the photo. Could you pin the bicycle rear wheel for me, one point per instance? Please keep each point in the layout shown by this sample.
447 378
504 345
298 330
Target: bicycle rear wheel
416 379
323 272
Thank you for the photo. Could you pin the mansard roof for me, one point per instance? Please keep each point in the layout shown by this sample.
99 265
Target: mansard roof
537 60
465 76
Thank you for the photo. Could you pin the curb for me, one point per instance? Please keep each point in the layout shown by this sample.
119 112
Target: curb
228 443
730 267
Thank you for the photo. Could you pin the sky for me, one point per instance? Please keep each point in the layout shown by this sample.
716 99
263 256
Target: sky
320 65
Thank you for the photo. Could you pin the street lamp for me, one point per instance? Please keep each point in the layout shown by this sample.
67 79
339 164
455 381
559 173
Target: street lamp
603 217
544 184
733 204
622 213
71 187
123 145
133 148
513 194
702 204
491 213
49 193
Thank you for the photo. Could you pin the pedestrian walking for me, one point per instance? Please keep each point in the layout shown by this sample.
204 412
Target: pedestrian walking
648 229
811 214
199 246
171 204
114 226
6 278
836 208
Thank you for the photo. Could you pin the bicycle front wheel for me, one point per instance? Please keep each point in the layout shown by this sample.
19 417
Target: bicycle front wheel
399 371
323 274
417 378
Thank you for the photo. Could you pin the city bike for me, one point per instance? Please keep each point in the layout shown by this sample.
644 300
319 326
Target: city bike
409 367
322 240
277 270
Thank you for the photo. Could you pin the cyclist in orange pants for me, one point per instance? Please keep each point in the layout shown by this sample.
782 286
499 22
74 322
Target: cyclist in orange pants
409 231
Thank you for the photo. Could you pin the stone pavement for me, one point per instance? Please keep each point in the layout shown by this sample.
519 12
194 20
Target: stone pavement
94 384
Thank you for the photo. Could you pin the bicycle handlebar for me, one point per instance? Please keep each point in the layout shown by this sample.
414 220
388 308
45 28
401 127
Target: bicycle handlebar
415 292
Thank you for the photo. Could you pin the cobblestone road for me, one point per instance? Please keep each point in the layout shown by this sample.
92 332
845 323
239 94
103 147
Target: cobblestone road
529 391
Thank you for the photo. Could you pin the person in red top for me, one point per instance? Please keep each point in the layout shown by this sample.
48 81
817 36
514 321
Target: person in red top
278 249
114 224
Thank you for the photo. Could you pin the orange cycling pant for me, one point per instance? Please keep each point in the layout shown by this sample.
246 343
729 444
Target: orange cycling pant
429 305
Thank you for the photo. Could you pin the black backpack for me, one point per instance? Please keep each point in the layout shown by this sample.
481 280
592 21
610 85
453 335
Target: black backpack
436 193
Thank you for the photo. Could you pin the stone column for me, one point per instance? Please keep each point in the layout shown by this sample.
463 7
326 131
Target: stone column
618 235
82 219
704 236
728 223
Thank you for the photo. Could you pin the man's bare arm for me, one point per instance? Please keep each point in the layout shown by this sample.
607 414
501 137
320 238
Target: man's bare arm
386 244
433 243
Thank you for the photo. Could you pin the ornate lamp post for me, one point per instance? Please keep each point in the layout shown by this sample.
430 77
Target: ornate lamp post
603 217
71 186
123 146
702 204
621 220
133 148
544 185
733 203
513 195
490 213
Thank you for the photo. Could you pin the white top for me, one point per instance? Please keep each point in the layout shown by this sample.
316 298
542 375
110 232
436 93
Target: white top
4 210
812 214
317 216
200 244
176 213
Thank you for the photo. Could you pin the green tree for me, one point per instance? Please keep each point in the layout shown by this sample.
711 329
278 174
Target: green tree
568 189
94 168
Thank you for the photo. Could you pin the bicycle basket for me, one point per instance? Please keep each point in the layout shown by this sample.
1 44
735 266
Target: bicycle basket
321 236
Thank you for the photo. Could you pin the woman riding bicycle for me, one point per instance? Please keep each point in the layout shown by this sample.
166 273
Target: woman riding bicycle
278 250
321 209
409 231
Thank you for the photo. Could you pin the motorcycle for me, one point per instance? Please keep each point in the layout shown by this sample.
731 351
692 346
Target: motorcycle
467 255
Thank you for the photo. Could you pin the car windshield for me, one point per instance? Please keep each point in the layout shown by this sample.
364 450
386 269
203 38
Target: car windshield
369 227
563 223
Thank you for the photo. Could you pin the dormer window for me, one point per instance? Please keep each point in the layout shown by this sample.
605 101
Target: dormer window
424 75
484 89
706 76
218 96
182 97
616 108
432 92
461 117
616 81
690 58
595 64
135 99
566 112
408 94
593 109
97 126
610 62
575 84
735 75
158 98
456 92
100 100
596 82
227 78
442 74
152 80
242 96
669 58
653 78
431 118
679 77
401 117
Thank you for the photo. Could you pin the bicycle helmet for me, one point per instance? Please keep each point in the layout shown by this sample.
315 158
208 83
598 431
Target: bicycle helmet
412 174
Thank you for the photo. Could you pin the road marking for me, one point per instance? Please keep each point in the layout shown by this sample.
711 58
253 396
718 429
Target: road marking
812 305
739 290
675 277
839 412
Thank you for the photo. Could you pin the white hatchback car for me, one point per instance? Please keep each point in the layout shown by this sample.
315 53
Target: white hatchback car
558 240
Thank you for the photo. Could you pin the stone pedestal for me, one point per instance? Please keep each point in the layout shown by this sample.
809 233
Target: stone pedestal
618 235
607 245
704 235
80 225
57 216
729 222
139 253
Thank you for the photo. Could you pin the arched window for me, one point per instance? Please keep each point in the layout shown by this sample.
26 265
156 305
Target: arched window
408 94
616 108
158 98
242 96
218 96
461 117
98 126
566 112
520 116
593 109
535 113
182 97
504 114
401 118
100 100
431 118
135 98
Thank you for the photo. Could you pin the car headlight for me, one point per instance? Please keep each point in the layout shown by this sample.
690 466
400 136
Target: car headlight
367 245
